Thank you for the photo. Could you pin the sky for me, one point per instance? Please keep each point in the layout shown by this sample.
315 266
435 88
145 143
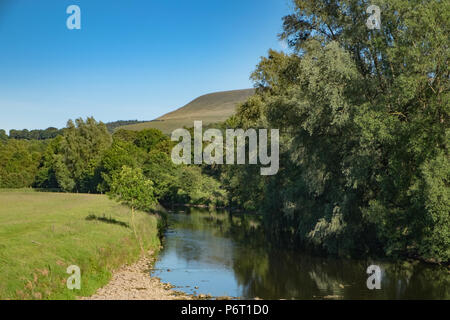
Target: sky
131 59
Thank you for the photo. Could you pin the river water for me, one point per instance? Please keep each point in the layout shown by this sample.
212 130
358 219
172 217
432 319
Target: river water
220 254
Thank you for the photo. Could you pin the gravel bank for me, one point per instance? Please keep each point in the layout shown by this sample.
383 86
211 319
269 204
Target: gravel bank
133 282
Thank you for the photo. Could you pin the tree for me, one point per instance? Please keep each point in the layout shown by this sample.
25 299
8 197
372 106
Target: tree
364 121
164 173
149 138
125 135
50 165
82 148
48 133
19 162
132 188
3 136
119 154
72 160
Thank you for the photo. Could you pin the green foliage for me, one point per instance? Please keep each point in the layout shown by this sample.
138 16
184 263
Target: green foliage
131 187
160 169
46 134
87 159
19 161
72 161
119 154
52 132
46 175
74 158
125 135
240 194
147 139
198 188
3 136
363 116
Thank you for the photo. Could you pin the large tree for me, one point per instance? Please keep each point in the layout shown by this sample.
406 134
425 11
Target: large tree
130 187
364 120
72 160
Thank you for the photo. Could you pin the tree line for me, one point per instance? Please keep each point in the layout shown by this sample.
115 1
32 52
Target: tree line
37 134
52 132
87 158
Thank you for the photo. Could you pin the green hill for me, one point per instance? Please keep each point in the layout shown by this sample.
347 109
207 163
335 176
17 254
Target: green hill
210 108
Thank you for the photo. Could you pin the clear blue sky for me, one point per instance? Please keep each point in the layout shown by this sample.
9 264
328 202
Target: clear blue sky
132 59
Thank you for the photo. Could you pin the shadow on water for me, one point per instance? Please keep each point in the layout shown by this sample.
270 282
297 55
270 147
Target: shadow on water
215 252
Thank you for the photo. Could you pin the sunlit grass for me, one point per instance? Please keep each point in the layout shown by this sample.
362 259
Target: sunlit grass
41 234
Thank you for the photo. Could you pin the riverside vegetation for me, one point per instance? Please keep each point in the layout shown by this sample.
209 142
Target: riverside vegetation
364 131
363 118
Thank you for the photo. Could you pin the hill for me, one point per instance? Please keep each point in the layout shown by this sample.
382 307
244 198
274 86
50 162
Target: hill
111 126
210 108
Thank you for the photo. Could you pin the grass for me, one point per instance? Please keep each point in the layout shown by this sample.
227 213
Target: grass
41 234
210 108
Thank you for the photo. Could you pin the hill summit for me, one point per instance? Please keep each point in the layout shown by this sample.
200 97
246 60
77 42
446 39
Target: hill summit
209 108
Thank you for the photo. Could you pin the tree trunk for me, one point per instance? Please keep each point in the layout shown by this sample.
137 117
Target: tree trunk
134 230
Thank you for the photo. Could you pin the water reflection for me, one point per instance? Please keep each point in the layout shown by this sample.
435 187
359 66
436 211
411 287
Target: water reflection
222 254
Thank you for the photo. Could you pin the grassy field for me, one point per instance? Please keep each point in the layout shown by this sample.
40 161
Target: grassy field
41 234
210 108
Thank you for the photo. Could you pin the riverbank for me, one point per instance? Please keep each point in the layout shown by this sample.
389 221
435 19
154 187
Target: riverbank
133 282
43 233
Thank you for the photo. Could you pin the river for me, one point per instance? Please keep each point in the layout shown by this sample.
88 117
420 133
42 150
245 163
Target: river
214 252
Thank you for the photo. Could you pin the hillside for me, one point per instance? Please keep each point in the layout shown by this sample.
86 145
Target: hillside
111 126
210 108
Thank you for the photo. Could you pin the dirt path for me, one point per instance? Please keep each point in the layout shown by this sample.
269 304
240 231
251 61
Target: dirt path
134 283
